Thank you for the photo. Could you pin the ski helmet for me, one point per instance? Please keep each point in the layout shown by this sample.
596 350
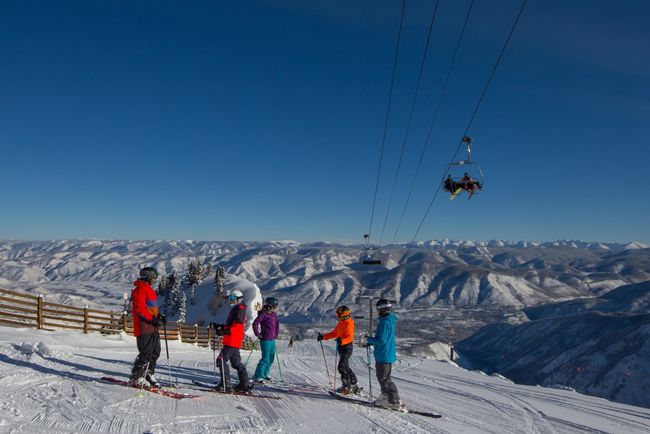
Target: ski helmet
271 303
148 274
343 312
383 304
235 295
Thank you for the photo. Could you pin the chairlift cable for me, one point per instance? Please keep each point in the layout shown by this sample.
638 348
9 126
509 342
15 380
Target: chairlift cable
434 118
383 140
478 104
410 119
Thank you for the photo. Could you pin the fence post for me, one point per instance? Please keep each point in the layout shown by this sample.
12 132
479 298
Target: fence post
86 319
124 321
179 327
39 312
196 334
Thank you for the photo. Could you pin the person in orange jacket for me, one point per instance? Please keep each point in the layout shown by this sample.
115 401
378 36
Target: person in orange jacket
344 335
146 321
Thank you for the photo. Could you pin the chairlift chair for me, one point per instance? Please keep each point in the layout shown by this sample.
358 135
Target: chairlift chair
369 255
458 169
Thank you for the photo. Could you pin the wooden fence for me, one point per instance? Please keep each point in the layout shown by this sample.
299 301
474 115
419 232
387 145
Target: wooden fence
25 310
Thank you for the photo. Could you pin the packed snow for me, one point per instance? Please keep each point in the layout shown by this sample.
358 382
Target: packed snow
50 382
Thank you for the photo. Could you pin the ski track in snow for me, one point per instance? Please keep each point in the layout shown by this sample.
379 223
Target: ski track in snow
50 382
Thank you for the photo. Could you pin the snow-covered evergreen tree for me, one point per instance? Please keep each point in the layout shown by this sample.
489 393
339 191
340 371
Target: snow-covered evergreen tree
182 309
193 278
162 286
172 298
219 280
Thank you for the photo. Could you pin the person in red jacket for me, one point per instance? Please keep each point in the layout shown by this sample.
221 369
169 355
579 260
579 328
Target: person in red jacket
233 336
146 321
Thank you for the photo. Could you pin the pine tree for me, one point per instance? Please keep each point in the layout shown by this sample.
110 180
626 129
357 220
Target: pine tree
172 299
219 280
163 286
193 278
182 310
208 271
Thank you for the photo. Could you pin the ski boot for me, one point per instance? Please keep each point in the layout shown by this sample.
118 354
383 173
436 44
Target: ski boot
343 390
139 382
243 388
151 379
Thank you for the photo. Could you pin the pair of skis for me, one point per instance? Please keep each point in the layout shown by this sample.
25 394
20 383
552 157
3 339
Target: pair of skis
177 395
470 193
152 389
370 404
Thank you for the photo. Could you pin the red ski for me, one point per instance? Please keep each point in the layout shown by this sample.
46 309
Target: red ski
157 390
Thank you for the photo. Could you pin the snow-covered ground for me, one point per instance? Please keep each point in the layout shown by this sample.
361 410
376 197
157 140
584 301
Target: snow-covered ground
49 382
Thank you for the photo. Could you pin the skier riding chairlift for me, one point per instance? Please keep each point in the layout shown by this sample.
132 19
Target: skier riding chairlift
467 183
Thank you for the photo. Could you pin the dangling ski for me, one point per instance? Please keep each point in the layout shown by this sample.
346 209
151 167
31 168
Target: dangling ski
206 387
370 404
455 193
157 390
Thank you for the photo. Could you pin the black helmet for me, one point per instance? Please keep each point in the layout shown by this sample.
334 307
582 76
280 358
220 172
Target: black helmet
383 304
148 274
343 312
271 303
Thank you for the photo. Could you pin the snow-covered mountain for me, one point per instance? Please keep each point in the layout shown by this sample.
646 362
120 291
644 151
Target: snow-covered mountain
599 346
450 273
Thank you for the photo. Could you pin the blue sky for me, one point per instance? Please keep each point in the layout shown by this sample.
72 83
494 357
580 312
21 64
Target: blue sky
260 120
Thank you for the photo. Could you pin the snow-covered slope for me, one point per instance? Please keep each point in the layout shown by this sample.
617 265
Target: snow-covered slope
50 383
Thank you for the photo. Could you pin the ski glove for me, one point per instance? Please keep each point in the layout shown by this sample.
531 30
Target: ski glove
155 321
319 337
220 329
162 318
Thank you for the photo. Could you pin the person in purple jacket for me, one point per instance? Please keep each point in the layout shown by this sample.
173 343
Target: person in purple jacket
266 327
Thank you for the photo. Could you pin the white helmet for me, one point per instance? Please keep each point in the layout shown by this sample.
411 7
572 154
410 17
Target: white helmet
235 295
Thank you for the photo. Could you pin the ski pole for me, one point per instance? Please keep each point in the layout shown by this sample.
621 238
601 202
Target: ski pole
169 369
223 373
214 355
325 360
249 357
144 376
277 358
369 374
336 356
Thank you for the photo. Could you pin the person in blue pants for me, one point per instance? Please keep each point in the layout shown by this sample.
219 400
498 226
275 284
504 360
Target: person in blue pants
266 327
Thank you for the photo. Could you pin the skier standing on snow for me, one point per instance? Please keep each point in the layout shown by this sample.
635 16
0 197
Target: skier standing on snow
146 321
385 355
266 327
233 336
344 334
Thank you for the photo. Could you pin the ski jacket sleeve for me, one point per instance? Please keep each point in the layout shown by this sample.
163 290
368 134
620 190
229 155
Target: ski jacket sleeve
381 334
343 330
256 325
277 326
